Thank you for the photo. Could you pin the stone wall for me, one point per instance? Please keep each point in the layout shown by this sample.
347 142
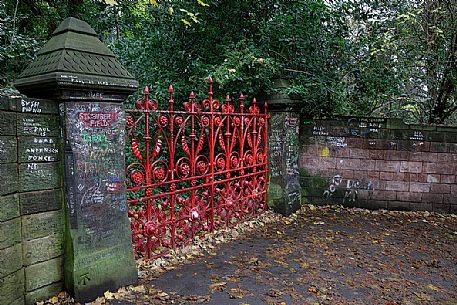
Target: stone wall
31 216
379 163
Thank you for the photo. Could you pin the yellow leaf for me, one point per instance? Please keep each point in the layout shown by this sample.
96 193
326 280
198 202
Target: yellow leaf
140 289
190 15
186 22
217 286
108 295
153 2
432 287
313 289
162 295
111 2
202 3
99 301
237 293
54 300
304 265
253 260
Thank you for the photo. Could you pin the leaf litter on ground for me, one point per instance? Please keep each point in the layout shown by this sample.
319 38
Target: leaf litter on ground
207 243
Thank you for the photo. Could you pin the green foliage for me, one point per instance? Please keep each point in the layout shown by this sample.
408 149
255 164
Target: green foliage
358 57
16 48
244 69
412 47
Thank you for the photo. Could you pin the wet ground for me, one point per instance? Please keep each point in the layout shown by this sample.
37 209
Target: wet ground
322 256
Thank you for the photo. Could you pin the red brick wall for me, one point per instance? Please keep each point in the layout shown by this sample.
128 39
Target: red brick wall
379 163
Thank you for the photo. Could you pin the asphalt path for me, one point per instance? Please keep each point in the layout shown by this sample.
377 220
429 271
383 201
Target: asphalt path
322 256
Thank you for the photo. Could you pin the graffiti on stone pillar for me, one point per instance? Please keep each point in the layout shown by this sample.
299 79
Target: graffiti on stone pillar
95 142
276 146
291 125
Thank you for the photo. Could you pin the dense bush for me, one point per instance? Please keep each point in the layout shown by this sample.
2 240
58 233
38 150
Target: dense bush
395 58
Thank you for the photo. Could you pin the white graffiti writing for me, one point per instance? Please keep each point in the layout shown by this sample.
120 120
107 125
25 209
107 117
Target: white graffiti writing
336 141
319 131
417 135
351 187
30 106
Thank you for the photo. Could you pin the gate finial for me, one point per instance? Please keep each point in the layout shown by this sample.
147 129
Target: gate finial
171 101
210 91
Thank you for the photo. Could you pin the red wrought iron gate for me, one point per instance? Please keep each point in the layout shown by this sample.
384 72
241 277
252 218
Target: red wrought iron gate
191 170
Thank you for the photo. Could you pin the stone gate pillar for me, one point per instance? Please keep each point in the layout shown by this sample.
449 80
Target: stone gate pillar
283 136
77 71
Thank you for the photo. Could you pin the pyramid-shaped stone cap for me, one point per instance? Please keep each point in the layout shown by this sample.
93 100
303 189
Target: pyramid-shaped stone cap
281 100
75 64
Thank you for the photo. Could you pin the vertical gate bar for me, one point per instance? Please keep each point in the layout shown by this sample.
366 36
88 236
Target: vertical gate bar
255 135
147 165
227 148
227 138
254 148
192 150
211 150
241 140
171 165
265 151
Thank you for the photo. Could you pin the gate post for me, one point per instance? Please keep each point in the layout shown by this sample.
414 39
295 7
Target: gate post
283 143
77 71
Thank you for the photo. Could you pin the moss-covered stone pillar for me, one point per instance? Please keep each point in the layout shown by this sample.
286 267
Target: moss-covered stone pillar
283 136
77 71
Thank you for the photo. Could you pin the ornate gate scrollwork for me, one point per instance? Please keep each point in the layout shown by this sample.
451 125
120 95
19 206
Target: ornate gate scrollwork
195 168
